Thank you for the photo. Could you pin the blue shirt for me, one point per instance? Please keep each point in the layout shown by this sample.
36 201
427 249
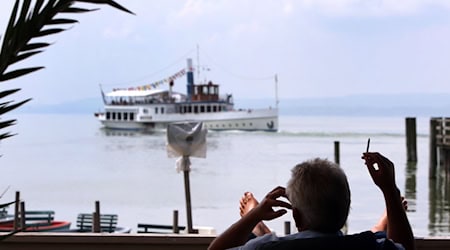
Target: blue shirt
258 241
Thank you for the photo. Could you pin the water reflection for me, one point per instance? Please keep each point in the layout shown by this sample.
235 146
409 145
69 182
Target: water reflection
129 133
439 205
213 137
410 186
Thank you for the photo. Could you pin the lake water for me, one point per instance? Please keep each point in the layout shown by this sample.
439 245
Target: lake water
67 162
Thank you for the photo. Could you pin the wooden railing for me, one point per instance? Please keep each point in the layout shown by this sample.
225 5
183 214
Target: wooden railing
442 130
439 144
101 241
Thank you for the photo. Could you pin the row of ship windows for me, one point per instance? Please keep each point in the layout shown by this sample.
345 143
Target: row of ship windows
229 125
190 109
199 109
181 109
130 117
126 116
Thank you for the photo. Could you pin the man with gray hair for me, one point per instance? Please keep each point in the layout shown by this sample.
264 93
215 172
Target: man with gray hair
319 197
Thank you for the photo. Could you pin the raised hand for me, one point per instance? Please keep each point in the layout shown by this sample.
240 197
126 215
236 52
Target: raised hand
381 170
237 234
265 209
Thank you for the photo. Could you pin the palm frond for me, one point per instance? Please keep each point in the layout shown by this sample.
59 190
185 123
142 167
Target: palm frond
62 21
28 20
7 204
25 55
8 92
8 106
5 236
110 3
18 73
76 10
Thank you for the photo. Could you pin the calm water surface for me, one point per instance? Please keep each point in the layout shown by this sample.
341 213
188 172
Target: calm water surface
67 162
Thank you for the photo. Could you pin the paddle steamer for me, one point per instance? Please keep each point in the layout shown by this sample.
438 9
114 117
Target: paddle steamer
147 108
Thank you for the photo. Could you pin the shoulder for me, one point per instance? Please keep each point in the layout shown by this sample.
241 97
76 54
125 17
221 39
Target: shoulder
365 240
387 244
255 243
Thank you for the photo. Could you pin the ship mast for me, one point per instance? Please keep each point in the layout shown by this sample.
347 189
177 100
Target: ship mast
198 62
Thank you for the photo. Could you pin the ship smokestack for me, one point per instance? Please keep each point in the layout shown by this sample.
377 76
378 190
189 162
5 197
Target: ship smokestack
170 90
190 79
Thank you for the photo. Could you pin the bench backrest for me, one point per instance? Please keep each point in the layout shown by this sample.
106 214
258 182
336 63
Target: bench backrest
41 217
108 222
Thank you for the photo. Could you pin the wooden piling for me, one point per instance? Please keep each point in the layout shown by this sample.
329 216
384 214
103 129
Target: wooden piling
446 160
16 211
187 192
22 216
411 144
434 122
96 218
336 152
176 229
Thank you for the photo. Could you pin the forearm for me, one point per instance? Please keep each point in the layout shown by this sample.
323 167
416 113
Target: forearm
235 235
399 229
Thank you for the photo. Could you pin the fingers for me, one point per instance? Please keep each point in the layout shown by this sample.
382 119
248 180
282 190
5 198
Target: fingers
376 161
404 203
276 193
370 160
279 203
277 214
375 157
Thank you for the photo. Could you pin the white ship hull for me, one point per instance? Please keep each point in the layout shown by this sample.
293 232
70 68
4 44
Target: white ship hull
246 120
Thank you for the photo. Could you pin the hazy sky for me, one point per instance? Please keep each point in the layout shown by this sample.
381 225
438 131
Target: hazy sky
317 47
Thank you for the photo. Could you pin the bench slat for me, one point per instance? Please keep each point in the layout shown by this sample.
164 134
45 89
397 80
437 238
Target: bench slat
149 228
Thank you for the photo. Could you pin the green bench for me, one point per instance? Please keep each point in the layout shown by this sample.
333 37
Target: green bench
39 218
108 222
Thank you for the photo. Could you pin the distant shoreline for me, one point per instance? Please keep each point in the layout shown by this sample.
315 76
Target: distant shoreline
357 105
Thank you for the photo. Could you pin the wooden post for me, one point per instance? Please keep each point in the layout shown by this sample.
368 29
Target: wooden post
187 192
411 146
287 227
336 152
433 148
175 222
22 216
96 218
446 159
16 211
445 149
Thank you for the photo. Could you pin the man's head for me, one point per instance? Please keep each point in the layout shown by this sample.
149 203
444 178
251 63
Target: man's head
320 196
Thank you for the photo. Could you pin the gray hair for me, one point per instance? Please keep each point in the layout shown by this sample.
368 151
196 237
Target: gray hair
319 190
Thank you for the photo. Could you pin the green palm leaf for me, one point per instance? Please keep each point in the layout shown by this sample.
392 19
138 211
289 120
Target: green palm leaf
18 73
7 204
28 20
8 106
8 92
5 236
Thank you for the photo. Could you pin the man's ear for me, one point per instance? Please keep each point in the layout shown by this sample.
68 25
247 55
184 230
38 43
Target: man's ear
297 218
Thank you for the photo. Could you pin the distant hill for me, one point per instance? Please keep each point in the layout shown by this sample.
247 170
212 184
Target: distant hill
355 105
362 105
